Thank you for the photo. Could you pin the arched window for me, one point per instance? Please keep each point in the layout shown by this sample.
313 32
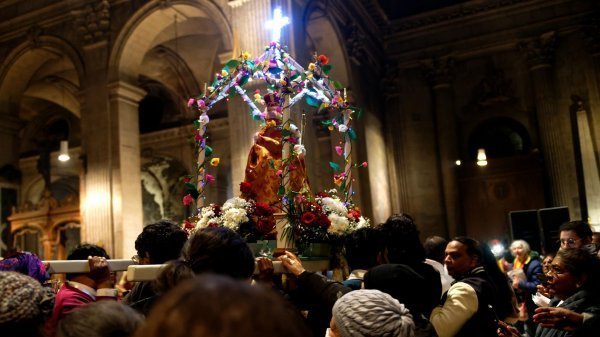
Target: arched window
500 137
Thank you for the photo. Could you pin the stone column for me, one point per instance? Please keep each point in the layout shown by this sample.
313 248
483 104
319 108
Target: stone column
111 203
126 174
552 124
394 134
249 34
440 73
248 22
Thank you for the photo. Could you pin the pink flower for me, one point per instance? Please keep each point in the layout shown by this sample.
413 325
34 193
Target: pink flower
279 173
209 178
188 200
190 102
201 103
364 164
338 150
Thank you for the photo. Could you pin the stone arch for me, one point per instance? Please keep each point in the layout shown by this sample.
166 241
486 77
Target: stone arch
324 35
151 26
500 137
48 54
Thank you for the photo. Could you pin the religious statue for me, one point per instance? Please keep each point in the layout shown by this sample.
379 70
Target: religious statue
263 175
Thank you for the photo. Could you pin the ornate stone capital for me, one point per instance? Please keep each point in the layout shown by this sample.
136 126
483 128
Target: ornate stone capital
439 71
592 35
92 22
539 51
355 43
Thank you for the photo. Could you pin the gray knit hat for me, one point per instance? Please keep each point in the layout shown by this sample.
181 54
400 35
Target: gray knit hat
23 298
372 313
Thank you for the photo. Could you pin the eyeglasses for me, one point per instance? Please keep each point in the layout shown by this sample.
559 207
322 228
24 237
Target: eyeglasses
570 242
555 270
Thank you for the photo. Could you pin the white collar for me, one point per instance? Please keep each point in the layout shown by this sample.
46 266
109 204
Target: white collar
83 288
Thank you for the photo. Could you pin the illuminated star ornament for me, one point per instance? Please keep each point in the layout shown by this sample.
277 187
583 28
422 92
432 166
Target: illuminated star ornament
277 23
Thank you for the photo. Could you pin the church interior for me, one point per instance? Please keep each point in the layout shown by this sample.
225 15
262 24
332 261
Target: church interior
472 109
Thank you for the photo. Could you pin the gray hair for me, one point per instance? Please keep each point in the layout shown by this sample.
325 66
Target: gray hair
101 319
521 243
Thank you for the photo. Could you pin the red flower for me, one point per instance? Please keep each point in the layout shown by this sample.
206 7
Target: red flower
323 59
187 179
322 194
245 187
354 214
323 221
188 225
261 209
216 209
187 200
265 226
308 218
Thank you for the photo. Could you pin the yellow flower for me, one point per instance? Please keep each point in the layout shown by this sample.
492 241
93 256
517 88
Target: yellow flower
311 66
282 82
330 128
309 75
224 73
271 123
215 161
257 97
246 55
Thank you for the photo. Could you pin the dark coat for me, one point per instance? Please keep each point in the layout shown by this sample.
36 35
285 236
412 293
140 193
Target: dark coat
582 301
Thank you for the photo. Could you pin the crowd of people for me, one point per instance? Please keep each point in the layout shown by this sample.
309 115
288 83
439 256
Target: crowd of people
395 286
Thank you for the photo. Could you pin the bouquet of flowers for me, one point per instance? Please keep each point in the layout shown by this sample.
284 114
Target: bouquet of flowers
324 219
253 221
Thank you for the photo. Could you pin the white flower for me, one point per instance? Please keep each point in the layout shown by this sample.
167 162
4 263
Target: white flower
299 149
342 128
204 119
206 215
339 224
235 202
233 217
334 205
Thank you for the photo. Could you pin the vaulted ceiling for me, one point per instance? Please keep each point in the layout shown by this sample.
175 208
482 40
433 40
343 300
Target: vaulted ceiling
398 9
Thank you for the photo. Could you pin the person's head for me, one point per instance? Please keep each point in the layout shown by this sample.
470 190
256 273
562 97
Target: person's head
575 234
435 247
212 305
547 261
101 319
362 248
25 263
82 252
24 305
370 313
462 255
520 249
400 238
160 242
217 250
395 279
570 271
